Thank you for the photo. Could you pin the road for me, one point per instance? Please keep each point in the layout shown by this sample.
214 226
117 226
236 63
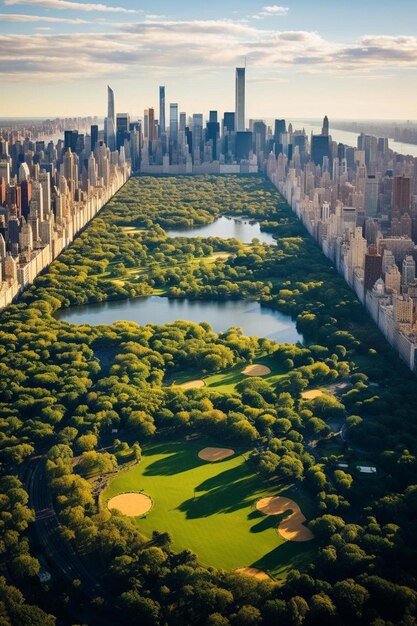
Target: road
63 560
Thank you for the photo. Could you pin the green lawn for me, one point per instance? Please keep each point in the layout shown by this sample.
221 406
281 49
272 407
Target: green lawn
209 508
226 381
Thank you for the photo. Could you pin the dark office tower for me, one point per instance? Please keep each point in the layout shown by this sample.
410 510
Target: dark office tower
300 141
401 195
213 135
162 109
94 135
259 136
80 145
213 117
280 127
240 99
26 196
70 140
325 128
14 197
320 148
290 152
373 268
243 145
350 157
229 122
341 151
122 129
382 145
189 139
13 230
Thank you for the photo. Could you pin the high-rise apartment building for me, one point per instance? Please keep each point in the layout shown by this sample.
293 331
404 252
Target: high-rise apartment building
162 109
373 268
409 270
401 195
240 99
371 196
110 121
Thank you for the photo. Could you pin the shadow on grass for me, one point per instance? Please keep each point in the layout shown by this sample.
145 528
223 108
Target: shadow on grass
287 556
225 498
229 476
180 458
270 521
231 378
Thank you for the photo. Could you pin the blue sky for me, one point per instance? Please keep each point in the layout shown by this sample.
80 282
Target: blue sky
355 59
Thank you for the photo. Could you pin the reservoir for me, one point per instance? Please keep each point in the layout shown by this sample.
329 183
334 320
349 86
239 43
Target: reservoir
243 229
253 318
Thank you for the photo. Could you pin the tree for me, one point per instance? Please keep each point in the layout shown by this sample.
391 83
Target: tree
247 615
86 442
216 619
322 609
350 598
25 566
326 525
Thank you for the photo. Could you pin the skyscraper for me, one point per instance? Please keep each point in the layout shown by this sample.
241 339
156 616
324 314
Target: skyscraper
325 127
409 270
173 123
371 196
373 268
110 122
240 99
401 195
94 135
162 109
122 128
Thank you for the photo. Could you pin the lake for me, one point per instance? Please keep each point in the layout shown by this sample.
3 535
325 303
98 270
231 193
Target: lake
250 316
241 228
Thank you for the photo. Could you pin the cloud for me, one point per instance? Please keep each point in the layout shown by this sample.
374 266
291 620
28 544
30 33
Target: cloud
68 4
272 10
195 46
20 17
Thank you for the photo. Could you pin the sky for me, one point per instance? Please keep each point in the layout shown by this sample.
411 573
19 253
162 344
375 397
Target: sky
353 59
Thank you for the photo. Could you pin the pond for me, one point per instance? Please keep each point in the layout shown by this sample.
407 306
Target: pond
243 229
253 318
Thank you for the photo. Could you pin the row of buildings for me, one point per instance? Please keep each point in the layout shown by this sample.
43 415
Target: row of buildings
360 204
48 193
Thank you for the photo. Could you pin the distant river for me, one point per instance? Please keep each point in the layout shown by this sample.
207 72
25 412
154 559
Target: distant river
351 139
240 228
250 316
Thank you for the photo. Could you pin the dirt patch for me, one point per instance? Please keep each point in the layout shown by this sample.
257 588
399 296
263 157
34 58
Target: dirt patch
292 527
131 504
193 384
256 370
215 454
313 393
253 571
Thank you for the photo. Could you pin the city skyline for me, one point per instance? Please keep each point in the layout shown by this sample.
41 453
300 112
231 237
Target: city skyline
299 58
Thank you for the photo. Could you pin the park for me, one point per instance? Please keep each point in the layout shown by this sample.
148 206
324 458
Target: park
208 504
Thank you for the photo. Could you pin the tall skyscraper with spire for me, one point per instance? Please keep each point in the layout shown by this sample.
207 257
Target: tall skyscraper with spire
110 121
325 128
240 99
162 109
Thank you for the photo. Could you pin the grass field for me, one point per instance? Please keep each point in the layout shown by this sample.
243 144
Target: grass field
226 381
209 508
